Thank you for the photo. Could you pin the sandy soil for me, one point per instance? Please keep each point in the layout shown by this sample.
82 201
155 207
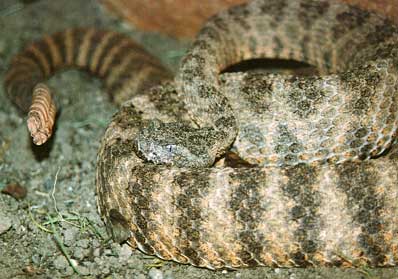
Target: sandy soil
58 219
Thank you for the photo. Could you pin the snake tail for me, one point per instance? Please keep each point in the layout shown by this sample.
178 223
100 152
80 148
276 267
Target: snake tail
122 64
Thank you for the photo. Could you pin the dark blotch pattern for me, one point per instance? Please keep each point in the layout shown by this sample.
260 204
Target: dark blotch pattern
276 9
305 96
301 188
310 11
239 15
193 185
359 182
382 32
287 146
140 206
247 207
257 91
363 80
349 20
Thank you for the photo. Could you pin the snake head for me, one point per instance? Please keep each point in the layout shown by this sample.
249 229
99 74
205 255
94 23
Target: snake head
175 144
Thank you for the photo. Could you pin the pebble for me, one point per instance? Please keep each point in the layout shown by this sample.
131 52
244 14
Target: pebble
48 184
135 263
69 271
60 263
5 224
95 243
84 270
83 243
116 248
70 235
125 252
79 253
15 190
155 273
105 270
168 274
108 252
97 252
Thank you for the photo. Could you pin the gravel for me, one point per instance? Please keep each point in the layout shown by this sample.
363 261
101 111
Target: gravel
5 223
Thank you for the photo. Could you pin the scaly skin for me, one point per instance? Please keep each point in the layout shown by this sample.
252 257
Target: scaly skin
124 66
320 185
317 182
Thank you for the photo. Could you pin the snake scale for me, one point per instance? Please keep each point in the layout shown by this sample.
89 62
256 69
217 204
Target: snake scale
312 173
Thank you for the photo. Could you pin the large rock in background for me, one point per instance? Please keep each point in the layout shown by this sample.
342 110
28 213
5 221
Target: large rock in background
177 18
388 8
183 18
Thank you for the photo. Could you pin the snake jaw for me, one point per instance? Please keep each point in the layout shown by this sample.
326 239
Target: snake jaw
175 144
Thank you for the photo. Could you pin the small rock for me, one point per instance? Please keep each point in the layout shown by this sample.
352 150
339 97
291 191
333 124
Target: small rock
155 273
116 248
95 243
93 268
99 261
36 259
48 184
83 243
135 263
97 252
168 274
70 235
84 270
125 252
105 270
69 271
15 190
114 262
5 224
61 263
79 253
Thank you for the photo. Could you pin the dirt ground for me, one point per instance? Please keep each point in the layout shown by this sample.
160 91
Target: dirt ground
55 231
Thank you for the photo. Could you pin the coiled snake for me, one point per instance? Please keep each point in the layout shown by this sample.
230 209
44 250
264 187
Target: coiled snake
317 183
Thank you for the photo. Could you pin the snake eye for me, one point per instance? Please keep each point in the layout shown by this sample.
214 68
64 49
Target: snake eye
170 147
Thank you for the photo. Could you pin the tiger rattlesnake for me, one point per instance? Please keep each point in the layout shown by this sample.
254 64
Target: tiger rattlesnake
318 185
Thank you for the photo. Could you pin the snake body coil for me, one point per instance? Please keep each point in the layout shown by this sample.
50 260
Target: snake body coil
123 65
318 183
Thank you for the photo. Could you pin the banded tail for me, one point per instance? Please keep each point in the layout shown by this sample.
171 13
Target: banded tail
124 66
